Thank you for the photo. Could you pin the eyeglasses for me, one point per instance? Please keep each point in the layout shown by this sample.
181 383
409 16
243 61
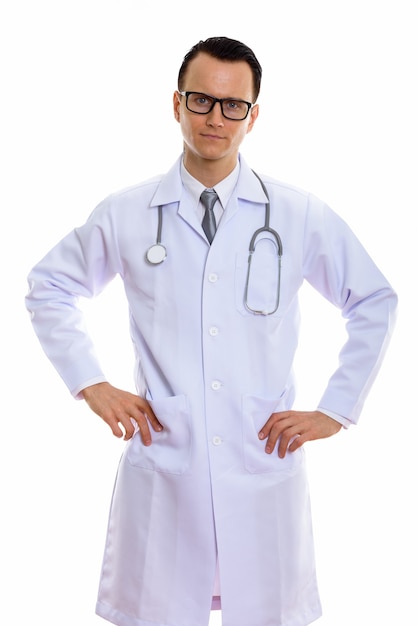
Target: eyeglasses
202 104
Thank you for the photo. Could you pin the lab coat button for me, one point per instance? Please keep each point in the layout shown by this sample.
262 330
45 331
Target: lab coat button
216 385
213 330
217 440
213 278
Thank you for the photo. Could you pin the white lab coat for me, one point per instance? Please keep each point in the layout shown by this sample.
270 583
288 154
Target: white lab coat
214 373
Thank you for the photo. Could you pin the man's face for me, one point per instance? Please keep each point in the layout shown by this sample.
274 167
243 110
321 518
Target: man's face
212 136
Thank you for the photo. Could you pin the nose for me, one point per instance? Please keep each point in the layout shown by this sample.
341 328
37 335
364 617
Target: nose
215 117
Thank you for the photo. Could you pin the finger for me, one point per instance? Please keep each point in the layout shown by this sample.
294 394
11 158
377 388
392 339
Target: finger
274 435
291 440
144 430
297 442
278 428
128 427
116 430
272 420
283 444
155 423
114 424
289 443
146 410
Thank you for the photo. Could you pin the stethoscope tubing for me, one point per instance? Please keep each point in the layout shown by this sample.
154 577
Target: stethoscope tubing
157 253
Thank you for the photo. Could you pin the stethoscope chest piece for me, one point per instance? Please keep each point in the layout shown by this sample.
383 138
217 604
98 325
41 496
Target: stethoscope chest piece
156 254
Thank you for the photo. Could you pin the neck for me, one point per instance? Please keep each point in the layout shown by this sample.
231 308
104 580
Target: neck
209 172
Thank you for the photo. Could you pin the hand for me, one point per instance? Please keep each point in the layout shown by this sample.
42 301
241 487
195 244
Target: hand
117 407
293 428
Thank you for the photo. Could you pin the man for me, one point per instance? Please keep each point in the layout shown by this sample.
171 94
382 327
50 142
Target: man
211 503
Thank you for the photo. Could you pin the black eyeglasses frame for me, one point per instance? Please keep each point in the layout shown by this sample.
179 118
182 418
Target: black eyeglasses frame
186 94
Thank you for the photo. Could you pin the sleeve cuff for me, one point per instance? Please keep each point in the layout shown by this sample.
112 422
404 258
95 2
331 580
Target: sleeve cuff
88 383
335 416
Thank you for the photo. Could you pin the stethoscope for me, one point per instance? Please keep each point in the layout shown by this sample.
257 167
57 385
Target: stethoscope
157 253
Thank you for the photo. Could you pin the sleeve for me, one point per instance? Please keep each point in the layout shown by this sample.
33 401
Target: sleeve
338 266
79 266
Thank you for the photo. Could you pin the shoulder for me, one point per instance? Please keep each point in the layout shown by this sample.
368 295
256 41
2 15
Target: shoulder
141 190
294 196
160 189
281 188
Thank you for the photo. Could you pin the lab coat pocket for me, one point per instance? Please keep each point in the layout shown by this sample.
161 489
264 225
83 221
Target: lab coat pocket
255 413
171 448
257 286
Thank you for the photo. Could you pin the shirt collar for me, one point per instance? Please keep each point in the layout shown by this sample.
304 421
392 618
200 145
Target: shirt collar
224 188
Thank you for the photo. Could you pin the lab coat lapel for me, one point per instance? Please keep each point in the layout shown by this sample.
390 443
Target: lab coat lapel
187 211
248 189
171 190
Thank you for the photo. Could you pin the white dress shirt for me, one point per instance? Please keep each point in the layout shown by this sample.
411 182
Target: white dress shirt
224 189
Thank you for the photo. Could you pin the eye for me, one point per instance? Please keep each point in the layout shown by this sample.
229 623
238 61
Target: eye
200 99
235 105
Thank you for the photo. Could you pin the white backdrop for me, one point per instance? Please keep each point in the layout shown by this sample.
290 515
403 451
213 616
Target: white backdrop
86 110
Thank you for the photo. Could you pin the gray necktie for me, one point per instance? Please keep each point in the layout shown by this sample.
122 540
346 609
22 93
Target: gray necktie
208 198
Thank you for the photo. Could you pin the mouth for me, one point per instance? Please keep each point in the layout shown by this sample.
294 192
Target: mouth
211 137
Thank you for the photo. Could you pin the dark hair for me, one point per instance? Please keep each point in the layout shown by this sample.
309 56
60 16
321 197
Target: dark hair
227 50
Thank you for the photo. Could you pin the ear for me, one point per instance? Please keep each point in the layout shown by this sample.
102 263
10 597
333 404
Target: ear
253 116
176 105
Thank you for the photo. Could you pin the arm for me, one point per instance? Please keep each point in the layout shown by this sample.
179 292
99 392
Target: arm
78 267
337 265
340 269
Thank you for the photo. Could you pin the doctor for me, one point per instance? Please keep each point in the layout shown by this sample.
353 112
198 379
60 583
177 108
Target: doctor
211 504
